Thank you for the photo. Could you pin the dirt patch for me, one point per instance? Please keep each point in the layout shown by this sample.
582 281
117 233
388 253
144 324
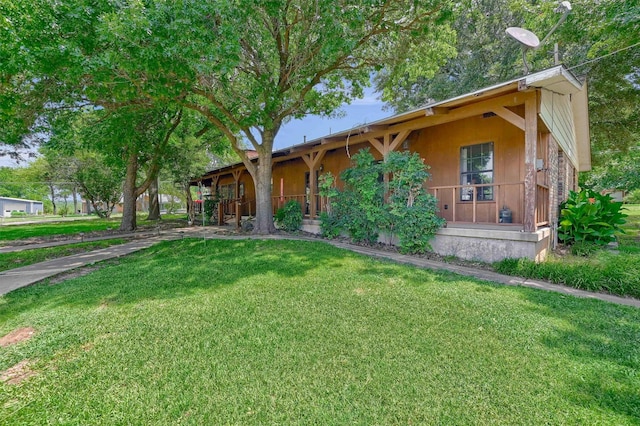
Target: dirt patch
17 336
18 373
74 273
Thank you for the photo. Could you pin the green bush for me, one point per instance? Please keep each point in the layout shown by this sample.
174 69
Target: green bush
330 226
360 205
588 216
411 210
633 197
289 216
16 213
584 248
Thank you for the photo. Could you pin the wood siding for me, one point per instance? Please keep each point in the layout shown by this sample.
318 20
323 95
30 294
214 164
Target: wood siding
440 148
557 113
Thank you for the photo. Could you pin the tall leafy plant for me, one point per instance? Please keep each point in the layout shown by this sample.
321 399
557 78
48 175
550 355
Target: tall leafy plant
330 223
361 202
411 210
409 213
590 217
289 216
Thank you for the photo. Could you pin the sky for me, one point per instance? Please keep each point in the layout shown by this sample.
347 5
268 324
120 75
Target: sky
359 112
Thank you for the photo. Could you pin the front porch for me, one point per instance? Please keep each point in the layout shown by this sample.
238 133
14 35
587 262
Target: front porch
479 242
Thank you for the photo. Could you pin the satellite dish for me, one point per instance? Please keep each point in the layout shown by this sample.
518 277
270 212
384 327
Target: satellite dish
529 40
525 37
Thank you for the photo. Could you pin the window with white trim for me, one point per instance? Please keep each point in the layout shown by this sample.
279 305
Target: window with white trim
476 168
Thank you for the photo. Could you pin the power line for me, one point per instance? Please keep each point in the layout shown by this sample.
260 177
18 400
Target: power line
604 56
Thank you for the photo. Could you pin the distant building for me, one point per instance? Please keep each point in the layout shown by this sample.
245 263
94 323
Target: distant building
8 205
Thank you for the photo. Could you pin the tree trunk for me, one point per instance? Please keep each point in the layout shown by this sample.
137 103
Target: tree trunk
53 199
264 202
74 191
154 202
129 194
191 214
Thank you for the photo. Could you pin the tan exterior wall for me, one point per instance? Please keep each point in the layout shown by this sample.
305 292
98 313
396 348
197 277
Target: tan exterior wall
440 148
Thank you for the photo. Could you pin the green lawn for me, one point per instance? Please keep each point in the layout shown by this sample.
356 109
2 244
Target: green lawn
630 240
290 332
612 271
17 232
28 257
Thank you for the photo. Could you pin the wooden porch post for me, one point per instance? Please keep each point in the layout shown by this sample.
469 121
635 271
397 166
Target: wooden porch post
236 178
553 184
530 147
387 145
313 160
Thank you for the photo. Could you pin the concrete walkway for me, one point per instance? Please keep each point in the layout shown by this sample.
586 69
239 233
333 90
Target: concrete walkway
21 277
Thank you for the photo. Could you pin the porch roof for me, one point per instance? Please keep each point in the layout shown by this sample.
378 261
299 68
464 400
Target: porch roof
558 80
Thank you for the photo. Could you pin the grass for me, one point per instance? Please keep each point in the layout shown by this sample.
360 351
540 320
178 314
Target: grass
16 232
31 256
605 270
630 240
273 332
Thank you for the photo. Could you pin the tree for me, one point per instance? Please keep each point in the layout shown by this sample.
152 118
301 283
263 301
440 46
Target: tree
598 42
485 55
249 66
99 183
194 149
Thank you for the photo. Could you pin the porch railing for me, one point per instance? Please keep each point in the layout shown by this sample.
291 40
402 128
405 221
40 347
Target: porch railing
460 196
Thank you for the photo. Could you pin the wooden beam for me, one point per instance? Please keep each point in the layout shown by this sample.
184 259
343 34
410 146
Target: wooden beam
377 145
400 137
510 116
373 128
436 111
530 155
313 158
460 113
307 159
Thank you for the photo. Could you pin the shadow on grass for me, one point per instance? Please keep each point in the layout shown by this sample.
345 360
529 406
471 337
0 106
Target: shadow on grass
605 340
174 269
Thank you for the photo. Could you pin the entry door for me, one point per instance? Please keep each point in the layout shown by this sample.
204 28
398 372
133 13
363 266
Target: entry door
307 193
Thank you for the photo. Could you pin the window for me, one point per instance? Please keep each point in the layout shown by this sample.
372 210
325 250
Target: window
476 168
227 192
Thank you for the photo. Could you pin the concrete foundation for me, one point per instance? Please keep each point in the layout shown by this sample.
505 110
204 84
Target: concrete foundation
475 243
489 245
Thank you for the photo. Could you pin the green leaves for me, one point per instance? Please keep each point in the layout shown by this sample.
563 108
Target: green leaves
587 216
289 217
409 213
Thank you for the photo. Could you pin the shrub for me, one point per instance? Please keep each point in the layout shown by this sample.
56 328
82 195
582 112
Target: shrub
289 216
588 216
584 248
360 205
411 211
16 213
330 226
633 197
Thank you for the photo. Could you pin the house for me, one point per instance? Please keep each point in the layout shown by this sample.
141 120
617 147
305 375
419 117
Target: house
502 159
8 205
